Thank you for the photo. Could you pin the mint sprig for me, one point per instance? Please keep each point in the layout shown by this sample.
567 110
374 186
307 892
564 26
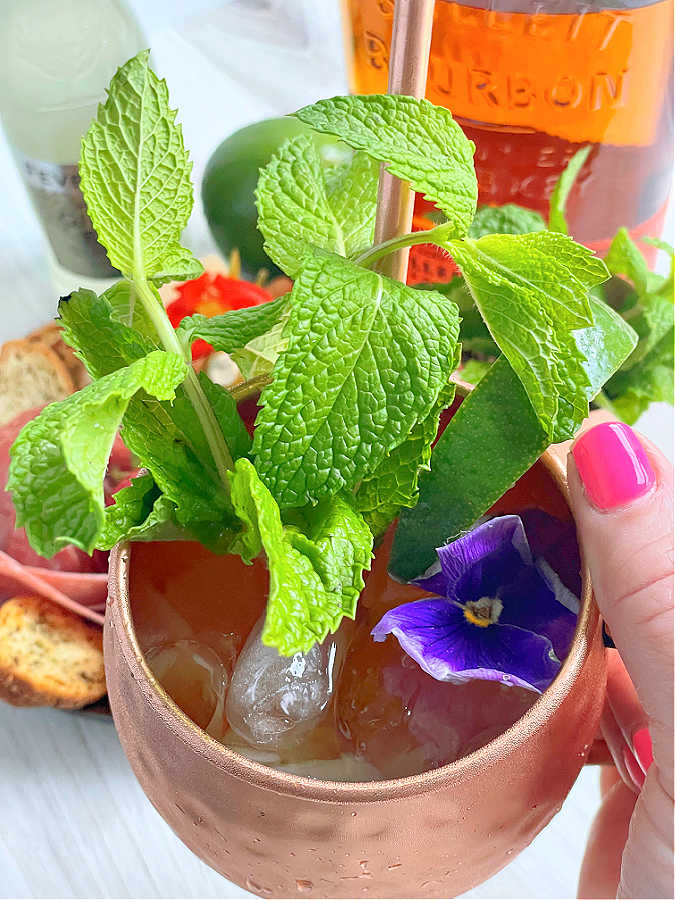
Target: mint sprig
136 177
359 366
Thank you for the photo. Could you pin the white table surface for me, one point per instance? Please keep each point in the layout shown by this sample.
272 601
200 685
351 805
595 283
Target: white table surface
73 820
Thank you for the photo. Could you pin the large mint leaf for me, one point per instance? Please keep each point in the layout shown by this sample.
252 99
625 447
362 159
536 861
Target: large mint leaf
531 301
556 219
314 580
490 442
234 329
395 483
136 177
420 143
59 459
297 210
366 360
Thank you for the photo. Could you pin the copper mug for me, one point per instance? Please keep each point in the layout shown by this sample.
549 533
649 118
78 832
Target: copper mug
437 834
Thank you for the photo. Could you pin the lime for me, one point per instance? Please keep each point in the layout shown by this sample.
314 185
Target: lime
228 188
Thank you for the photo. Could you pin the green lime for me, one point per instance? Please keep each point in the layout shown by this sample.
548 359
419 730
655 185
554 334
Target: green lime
228 188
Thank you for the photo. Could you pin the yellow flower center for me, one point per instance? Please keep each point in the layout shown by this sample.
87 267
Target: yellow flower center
483 612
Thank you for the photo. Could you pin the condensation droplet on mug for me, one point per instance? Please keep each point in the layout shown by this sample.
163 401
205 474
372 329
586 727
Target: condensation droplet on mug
394 866
252 885
304 885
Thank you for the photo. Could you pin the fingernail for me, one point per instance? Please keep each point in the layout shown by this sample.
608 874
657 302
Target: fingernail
633 769
642 745
612 465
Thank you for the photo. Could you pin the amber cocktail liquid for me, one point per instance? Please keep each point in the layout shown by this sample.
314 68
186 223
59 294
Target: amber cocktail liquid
531 83
350 710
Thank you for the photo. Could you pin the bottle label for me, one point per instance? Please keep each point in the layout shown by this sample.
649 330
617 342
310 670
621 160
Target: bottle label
58 201
595 76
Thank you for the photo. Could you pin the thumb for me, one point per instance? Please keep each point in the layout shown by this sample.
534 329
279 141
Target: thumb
621 490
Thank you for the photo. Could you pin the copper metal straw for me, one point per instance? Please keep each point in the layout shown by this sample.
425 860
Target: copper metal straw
408 64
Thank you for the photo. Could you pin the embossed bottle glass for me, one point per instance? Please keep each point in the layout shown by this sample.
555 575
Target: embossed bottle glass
531 81
56 59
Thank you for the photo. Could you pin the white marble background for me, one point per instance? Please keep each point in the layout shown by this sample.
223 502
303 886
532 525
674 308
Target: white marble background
73 821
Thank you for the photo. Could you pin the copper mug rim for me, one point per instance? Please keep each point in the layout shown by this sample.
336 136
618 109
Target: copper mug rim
325 791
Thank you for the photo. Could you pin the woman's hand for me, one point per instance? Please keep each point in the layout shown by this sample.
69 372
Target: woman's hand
622 495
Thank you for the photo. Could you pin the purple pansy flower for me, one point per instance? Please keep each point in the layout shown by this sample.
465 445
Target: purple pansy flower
501 616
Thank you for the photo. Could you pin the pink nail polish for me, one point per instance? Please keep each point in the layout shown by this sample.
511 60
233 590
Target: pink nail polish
634 770
612 465
642 745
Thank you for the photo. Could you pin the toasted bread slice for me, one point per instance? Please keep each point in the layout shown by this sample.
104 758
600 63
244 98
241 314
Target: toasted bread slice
51 336
30 375
48 656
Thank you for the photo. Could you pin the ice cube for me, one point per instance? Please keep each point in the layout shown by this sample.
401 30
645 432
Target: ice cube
196 675
277 701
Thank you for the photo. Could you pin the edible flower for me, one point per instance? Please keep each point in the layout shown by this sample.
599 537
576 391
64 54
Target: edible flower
211 295
500 615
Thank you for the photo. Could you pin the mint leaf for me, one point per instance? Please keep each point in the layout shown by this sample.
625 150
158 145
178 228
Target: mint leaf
314 581
103 343
624 258
651 380
339 542
136 177
296 210
531 301
233 329
259 356
352 196
395 482
649 309
489 443
229 420
140 513
126 307
605 345
556 216
595 354
420 143
366 360
59 459
506 219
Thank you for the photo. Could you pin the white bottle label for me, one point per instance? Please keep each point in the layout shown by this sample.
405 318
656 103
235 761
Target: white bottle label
58 201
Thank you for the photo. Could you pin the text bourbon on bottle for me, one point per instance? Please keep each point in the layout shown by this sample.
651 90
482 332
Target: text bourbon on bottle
531 83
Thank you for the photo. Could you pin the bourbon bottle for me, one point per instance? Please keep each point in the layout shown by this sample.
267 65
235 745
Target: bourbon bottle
532 81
